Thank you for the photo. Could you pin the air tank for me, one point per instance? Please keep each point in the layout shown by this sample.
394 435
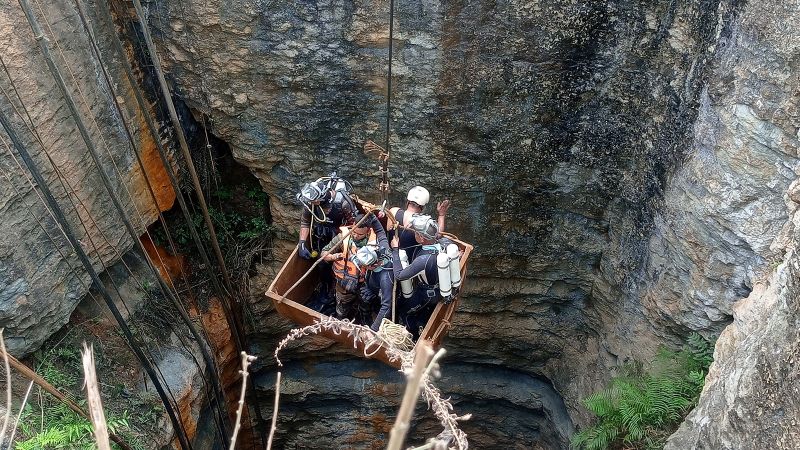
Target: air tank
443 264
455 265
406 286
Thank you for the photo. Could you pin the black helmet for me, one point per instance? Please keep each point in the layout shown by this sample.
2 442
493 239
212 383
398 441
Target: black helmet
312 192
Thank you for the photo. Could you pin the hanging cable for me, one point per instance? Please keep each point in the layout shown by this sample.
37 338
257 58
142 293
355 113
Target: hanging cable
235 323
206 354
144 107
384 186
56 209
44 47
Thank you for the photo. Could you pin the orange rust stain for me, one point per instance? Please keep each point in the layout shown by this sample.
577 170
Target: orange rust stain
365 374
224 348
170 267
381 423
186 416
370 432
154 168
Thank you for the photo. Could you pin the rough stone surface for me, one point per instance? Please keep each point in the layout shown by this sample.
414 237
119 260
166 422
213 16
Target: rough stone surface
750 400
562 131
41 280
353 403
621 168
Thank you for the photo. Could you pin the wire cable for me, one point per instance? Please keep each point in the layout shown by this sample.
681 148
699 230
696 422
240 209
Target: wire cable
44 47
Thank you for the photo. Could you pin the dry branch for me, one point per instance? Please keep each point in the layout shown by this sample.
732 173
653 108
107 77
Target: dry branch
7 370
41 382
246 360
98 417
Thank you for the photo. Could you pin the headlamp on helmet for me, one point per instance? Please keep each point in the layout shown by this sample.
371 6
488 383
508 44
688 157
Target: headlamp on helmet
425 225
312 192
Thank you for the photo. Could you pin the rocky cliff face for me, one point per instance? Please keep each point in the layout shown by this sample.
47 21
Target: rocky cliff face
570 136
619 166
750 397
41 280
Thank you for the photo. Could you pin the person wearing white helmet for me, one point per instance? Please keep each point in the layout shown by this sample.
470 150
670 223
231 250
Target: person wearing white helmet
416 200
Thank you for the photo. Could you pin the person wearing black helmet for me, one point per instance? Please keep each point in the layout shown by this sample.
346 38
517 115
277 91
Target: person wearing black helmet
422 269
326 207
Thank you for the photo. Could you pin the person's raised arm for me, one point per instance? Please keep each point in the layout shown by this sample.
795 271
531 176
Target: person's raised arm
442 208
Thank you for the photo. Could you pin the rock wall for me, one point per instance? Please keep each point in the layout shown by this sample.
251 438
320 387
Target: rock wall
562 131
41 280
751 392
619 166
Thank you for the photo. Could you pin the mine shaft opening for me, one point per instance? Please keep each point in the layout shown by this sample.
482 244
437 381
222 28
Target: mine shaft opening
239 211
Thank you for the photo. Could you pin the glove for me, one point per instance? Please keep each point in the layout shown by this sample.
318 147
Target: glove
302 251
366 293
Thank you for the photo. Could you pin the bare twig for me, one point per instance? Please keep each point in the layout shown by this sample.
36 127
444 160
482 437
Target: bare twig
397 436
246 360
19 415
36 378
98 417
8 388
275 411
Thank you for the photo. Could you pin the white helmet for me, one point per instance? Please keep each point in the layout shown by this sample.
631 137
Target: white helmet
419 195
366 256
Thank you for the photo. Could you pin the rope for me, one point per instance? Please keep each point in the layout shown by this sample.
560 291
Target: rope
384 186
176 423
396 335
175 299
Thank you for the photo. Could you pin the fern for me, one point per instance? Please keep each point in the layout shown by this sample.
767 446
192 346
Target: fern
641 408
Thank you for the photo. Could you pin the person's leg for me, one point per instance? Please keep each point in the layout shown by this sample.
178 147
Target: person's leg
383 280
344 303
366 298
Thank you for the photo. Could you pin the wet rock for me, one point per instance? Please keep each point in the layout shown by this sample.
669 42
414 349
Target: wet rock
554 127
41 279
353 404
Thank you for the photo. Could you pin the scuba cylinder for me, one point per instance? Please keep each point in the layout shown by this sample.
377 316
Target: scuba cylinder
455 265
443 264
406 286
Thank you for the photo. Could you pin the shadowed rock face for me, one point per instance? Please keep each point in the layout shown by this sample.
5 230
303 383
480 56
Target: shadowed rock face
554 127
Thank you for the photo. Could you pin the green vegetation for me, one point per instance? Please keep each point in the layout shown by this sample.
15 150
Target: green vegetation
47 423
231 225
640 408
60 427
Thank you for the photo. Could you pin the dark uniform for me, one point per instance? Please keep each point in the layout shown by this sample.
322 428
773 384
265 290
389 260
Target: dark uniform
405 236
324 224
380 279
417 310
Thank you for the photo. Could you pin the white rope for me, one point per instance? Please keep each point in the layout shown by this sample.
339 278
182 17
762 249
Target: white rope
396 334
